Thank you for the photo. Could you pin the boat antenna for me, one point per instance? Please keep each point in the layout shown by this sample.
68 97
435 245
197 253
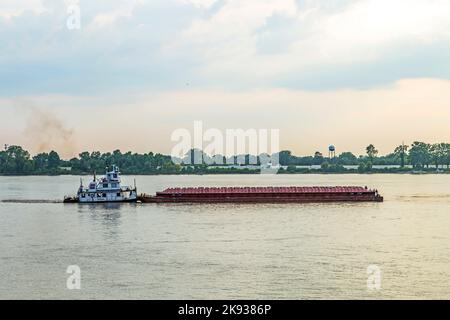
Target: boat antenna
81 182
95 178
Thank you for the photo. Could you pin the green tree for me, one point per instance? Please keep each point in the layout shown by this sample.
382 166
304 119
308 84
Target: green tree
400 152
285 158
291 169
420 154
318 158
85 159
362 167
17 161
439 152
371 152
40 161
347 158
446 148
3 161
435 154
53 160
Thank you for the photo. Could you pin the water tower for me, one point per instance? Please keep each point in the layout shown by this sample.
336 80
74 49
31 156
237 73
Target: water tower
331 152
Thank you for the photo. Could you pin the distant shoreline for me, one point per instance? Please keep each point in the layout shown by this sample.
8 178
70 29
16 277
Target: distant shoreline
419 158
234 173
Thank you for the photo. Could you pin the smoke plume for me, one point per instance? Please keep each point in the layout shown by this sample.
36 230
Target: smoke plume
45 131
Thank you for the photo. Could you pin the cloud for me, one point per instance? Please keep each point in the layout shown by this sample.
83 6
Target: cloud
13 8
229 44
308 120
201 3
316 37
367 27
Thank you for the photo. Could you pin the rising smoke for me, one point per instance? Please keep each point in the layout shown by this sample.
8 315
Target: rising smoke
45 131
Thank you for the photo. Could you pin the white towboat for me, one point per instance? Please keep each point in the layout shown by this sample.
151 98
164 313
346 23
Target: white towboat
105 189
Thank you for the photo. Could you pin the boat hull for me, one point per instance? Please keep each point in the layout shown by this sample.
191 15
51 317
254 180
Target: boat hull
76 200
255 198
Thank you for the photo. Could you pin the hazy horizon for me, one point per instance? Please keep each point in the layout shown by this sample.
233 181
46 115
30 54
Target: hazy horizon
348 73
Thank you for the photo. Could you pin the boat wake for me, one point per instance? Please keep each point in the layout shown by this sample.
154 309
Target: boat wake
425 196
29 201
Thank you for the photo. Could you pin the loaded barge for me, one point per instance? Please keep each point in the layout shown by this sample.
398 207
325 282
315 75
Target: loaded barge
263 195
110 189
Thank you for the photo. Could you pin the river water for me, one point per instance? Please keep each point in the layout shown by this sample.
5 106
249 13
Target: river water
226 251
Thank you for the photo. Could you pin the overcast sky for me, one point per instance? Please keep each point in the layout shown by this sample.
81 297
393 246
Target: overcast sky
343 72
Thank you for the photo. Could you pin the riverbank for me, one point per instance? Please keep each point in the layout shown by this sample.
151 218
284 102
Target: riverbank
422 158
244 172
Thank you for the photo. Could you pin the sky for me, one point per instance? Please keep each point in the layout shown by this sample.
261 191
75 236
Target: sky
342 72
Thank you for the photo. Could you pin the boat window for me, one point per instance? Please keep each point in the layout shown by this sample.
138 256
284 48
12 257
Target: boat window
104 195
118 194
115 175
83 195
113 185
105 185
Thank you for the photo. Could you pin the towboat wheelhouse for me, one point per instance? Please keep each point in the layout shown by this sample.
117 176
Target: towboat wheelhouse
107 189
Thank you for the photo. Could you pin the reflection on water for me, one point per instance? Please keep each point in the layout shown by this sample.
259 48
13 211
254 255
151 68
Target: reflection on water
101 207
288 251
107 214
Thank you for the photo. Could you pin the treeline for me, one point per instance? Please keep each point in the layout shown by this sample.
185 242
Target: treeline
17 161
419 155
14 160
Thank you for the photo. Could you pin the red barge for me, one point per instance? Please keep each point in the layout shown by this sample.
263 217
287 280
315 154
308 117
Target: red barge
263 195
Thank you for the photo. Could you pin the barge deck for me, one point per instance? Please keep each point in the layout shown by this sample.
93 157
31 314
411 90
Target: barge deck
263 195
